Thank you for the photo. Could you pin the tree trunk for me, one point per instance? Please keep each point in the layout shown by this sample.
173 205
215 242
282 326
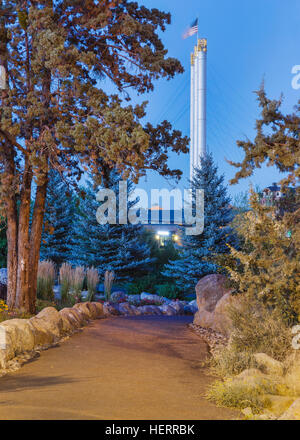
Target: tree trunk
22 295
35 240
12 230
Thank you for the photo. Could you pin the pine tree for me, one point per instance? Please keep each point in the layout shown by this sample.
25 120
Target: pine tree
58 221
118 248
199 254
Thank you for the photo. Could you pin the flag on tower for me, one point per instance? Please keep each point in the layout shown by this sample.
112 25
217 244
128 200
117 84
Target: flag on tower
193 29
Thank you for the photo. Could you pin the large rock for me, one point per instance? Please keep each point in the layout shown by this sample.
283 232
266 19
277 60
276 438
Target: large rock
99 308
118 296
209 291
3 276
18 337
213 298
51 320
150 297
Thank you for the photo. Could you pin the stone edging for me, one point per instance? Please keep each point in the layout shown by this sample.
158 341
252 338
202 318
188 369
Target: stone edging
21 339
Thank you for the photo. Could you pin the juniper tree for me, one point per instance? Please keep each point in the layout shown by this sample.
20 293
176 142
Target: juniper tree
268 265
55 112
57 234
119 248
199 254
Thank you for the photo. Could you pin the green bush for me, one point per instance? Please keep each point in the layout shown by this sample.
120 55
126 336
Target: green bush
144 284
170 291
238 394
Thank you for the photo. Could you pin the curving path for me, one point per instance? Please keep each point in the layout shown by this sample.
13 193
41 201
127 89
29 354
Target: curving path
119 368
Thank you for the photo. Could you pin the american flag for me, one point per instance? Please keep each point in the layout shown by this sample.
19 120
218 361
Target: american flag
193 29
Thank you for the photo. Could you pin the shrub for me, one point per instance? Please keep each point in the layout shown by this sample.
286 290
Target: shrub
65 279
42 304
109 277
256 329
238 394
170 291
144 284
259 328
45 280
92 282
78 276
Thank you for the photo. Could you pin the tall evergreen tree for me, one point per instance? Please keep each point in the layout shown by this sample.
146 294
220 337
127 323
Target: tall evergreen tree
198 257
58 221
109 247
55 111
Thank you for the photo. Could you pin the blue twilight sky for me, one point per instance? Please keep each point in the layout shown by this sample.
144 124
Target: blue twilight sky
248 40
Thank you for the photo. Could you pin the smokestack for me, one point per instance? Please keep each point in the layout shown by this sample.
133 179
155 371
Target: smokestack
198 105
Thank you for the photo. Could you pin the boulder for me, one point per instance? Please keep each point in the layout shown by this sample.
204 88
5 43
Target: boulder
213 298
51 320
167 310
68 322
194 305
178 306
150 297
99 308
270 365
3 276
74 316
293 412
18 337
209 291
109 309
134 298
221 320
85 310
118 296
125 308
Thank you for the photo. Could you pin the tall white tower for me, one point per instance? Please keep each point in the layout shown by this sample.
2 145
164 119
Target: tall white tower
198 104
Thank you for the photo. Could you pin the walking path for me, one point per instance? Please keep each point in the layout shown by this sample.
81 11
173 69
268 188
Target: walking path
119 368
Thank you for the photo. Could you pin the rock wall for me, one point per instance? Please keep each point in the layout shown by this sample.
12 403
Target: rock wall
19 336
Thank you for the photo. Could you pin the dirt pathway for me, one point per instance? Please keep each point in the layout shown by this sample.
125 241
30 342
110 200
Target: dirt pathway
120 368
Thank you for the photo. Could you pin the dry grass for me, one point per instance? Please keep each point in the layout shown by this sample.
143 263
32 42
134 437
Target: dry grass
109 277
45 280
78 279
65 279
92 281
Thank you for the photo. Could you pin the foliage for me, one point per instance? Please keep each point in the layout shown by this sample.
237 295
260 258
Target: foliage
58 57
92 282
143 284
238 394
42 304
78 275
117 248
58 221
199 254
109 277
256 329
268 264
170 291
161 255
65 279
46 279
